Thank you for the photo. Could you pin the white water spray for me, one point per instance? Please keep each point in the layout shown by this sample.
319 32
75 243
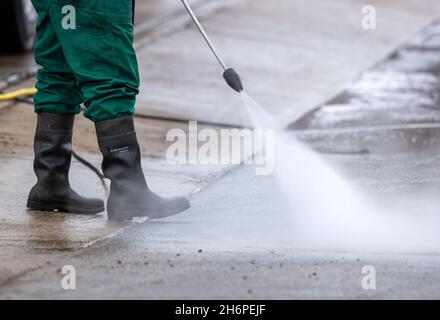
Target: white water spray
327 212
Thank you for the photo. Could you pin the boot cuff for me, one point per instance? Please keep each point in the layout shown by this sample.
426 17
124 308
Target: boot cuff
55 122
114 127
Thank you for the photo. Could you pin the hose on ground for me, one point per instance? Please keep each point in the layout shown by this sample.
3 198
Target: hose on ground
93 168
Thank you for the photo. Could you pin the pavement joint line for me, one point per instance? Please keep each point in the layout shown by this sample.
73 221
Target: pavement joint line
209 181
128 227
9 281
182 120
386 127
249 37
160 27
151 24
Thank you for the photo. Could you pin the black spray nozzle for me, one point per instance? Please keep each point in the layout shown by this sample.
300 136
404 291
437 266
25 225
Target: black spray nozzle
233 79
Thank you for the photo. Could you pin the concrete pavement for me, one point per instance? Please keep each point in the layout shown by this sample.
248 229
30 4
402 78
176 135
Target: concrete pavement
30 240
235 242
391 108
292 56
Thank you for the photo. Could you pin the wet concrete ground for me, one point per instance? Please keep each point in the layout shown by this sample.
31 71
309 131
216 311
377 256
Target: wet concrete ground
402 89
219 251
29 240
222 242
298 55
393 107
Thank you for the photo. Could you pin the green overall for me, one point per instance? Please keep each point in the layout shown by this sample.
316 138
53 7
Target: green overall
89 59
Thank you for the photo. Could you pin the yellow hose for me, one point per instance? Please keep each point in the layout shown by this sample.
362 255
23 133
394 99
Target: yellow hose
17 94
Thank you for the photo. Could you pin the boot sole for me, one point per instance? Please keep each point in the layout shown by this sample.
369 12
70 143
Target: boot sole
130 214
58 207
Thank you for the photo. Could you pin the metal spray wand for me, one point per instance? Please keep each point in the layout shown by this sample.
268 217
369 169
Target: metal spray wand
232 78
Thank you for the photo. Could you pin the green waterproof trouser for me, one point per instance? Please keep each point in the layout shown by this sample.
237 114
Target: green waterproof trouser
85 48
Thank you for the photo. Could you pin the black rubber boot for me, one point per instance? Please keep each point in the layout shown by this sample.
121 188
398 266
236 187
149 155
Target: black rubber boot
53 154
129 194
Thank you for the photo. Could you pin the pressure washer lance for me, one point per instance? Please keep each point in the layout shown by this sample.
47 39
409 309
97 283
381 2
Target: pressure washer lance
232 78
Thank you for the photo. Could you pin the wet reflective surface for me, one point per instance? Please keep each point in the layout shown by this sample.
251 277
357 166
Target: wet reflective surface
393 107
383 129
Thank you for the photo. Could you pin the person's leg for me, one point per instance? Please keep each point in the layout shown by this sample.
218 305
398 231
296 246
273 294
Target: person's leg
130 195
53 154
56 84
56 104
100 52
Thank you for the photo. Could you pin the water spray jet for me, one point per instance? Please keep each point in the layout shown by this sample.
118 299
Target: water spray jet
334 214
